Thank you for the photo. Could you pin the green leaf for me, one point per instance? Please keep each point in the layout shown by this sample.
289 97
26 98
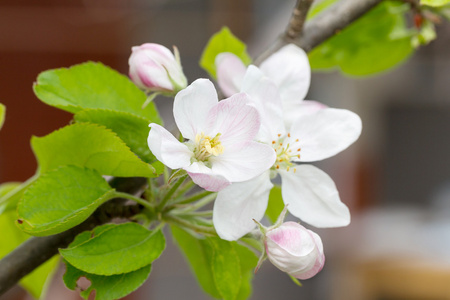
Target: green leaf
92 85
36 282
6 189
62 199
434 2
217 263
226 268
130 246
374 43
248 261
222 41
132 129
198 253
2 115
92 146
276 204
106 287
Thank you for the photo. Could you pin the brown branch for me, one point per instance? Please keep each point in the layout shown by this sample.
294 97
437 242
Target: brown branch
333 20
323 26
37 250
298 18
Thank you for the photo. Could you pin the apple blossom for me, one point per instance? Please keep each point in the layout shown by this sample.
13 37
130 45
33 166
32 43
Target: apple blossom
220 147
317 133
288 69
154 68
295 250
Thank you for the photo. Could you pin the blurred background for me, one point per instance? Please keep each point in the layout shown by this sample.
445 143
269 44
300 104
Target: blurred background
395 179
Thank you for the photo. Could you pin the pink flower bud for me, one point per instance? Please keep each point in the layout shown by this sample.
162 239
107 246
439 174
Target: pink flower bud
154 68
295 250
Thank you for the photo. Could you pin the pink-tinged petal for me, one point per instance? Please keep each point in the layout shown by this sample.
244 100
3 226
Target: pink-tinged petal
325 133
192 105
230 71
289 69
312 196
264 95
245 164
236 121
205 178
167 148
237 205
292 111
319 263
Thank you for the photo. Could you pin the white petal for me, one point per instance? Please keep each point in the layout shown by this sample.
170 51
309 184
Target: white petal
292 111
192 105
289 69
312 196
206 178
264 95
167 148
230 71
236 121
325 133
237 205
245 164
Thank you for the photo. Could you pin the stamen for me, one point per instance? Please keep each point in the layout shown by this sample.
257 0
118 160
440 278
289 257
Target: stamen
287 168
289 134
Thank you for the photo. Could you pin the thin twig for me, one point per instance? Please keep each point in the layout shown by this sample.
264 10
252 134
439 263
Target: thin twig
298 18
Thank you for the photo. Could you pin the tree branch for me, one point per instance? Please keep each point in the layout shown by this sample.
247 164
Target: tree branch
322 27
37 250
298 18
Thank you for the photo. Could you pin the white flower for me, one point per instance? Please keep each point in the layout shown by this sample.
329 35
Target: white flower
315 134
288 68
295 250
220 147
154 68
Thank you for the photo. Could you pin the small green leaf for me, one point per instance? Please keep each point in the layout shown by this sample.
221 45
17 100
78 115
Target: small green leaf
61 199
36 282
248 261
106 287
213 262
2 115
374 43
92 85
226 268
223 41
198 253
132 129
130 246
434 2
92 146
276 204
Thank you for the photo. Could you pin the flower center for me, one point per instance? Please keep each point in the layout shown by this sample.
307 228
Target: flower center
205 146
286 148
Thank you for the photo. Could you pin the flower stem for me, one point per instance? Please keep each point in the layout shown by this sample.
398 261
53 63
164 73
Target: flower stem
197 228
171 192
133 198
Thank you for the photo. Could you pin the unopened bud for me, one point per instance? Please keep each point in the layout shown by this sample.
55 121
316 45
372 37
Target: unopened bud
154 68
295 250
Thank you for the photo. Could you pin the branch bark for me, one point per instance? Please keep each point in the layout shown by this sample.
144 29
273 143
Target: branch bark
37 250
322 27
